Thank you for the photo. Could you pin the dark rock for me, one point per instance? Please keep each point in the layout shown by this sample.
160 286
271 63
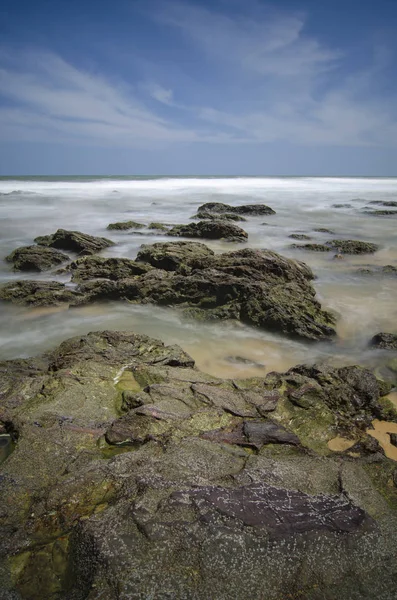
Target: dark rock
324 230
172 255
204 214
352 246
385 341
393 439
36 258
380 213
38 293
124 225
246 209
210 230
299 236
311 247
341 206
384 202
74 241
268 432
371 270
241 360
94 267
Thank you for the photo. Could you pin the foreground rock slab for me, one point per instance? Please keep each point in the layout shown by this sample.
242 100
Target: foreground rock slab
135 475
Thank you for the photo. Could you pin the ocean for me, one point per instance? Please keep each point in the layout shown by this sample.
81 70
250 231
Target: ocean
365 304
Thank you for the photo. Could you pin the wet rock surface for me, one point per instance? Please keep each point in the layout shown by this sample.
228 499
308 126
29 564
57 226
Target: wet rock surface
340 246
210 230
260 288
36 258
135 475
74 241
245 209
125 225
213 216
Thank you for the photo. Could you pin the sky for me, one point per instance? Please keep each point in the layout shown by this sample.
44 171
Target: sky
210 87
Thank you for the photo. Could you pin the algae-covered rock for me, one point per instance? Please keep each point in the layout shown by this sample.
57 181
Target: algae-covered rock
353 246
311 247
210 230
125 225
173 255
192 479
38 293
158 226
245 209
93 267
74 241
299 236
213 216
36 258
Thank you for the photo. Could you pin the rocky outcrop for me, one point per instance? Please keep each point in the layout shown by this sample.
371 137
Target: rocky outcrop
385 341
260 288
36 258
159 226
125 225
74 241
311 247
245 209
210 230
392 203
380 213
135 475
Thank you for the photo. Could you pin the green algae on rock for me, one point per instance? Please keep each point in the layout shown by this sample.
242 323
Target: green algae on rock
36 258
125 225
200 479
74 241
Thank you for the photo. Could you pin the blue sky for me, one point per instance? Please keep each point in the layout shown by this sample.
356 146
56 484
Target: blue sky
222 87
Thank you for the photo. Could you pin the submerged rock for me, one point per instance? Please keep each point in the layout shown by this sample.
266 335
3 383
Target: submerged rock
210 230
125 225
386 341
191 481
342 206
311 247
380 213
74 241
324 230
340 246
205 214
299 236
384 202
36 258
159 226
245 209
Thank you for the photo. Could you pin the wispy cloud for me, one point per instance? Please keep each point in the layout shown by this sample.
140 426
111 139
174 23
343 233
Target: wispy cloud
261 78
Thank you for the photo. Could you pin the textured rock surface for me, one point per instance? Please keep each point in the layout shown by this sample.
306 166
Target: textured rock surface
245 209
74 241
198 495
213 216
210 230
341 246
36 258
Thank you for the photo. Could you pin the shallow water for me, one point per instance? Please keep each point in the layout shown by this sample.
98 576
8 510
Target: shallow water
365 304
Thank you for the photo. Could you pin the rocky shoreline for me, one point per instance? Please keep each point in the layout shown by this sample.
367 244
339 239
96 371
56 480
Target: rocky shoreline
127 473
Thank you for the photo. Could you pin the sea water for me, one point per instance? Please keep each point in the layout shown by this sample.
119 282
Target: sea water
365 304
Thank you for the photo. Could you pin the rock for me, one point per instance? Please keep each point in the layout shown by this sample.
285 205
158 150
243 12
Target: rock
385 341
393 439
384 202
124 225
341 206
371 270
241 360
210 230
299 236
74 241
311 247
158 226
324 230
173 255
205 214
192 483
36 258
94 267
38 293
353 246
245 209
380 213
